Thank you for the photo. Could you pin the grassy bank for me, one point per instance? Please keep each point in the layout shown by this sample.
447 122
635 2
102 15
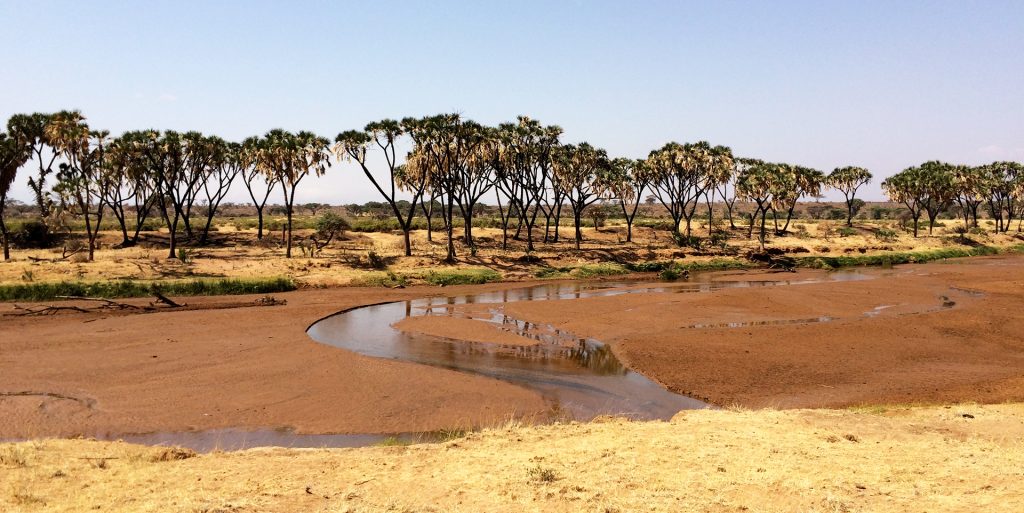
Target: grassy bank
937 459
442 278
901 257
130 288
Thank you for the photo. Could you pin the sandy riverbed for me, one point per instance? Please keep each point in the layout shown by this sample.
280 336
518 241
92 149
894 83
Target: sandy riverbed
254 367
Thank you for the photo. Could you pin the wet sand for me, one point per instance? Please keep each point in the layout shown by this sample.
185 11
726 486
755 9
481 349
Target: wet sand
470 330
893 339
255 367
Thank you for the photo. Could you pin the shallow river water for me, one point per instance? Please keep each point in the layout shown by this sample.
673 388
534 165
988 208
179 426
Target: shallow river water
580 377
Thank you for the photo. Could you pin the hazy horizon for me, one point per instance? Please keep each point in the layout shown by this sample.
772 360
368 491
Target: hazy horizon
880 85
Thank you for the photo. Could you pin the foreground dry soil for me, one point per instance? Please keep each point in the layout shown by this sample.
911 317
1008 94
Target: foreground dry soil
938 459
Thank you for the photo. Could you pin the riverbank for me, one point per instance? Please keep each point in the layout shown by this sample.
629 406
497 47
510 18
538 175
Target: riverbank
235 262
937 459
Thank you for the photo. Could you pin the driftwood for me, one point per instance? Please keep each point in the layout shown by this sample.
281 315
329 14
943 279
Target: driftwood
104 305
64 256
162 303
165 300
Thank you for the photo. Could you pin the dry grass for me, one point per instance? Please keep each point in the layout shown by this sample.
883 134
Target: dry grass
905 459
345 262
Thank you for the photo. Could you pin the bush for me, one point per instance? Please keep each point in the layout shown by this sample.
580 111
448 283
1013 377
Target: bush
461 277
886 235
887 259
386 279
846 231
594 270
129 288
34 234
669 274
648 267
375 260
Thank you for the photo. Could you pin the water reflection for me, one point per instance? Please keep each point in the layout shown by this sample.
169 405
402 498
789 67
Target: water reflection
581 376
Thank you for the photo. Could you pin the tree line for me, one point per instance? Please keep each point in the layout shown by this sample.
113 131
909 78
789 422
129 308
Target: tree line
452 165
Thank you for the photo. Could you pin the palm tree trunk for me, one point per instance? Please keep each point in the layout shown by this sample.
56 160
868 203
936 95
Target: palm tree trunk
6 236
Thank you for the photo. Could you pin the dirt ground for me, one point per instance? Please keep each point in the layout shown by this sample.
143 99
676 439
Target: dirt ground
897 338
961 458
255 368
242 367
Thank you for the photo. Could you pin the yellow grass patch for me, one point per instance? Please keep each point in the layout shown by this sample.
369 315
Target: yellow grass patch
937 459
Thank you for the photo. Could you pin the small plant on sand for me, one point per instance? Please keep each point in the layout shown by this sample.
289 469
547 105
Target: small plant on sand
447 435
461 277
886 235
185 256
14 456
393 441
541 474
669 274
595 270
375 260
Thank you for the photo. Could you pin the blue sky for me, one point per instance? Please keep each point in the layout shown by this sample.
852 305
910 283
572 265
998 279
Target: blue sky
884 85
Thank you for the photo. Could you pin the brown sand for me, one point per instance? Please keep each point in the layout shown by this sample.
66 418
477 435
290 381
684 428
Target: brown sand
923 459
244 367
254 367
458 328
914 351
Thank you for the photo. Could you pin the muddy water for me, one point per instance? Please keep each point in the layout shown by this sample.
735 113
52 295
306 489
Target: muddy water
580 377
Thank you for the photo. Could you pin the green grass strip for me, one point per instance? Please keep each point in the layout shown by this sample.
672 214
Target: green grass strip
129 288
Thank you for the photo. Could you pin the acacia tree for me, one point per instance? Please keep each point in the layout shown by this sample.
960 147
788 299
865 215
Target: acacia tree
678 181
31 130
353 145
290 158
225 164
80 181
970 187
629 179
125 179
582 173
726 190
525 172
165 156
936 179
475 177
443 147
847 180
756 182
1005 181
257 183
497 148
794 183
14 153
717 167
905 187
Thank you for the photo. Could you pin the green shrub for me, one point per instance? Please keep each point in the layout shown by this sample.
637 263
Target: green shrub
130 288
382 279
648 267
375 260
669 274
593 270
846 231
461 277
886 259
886 235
